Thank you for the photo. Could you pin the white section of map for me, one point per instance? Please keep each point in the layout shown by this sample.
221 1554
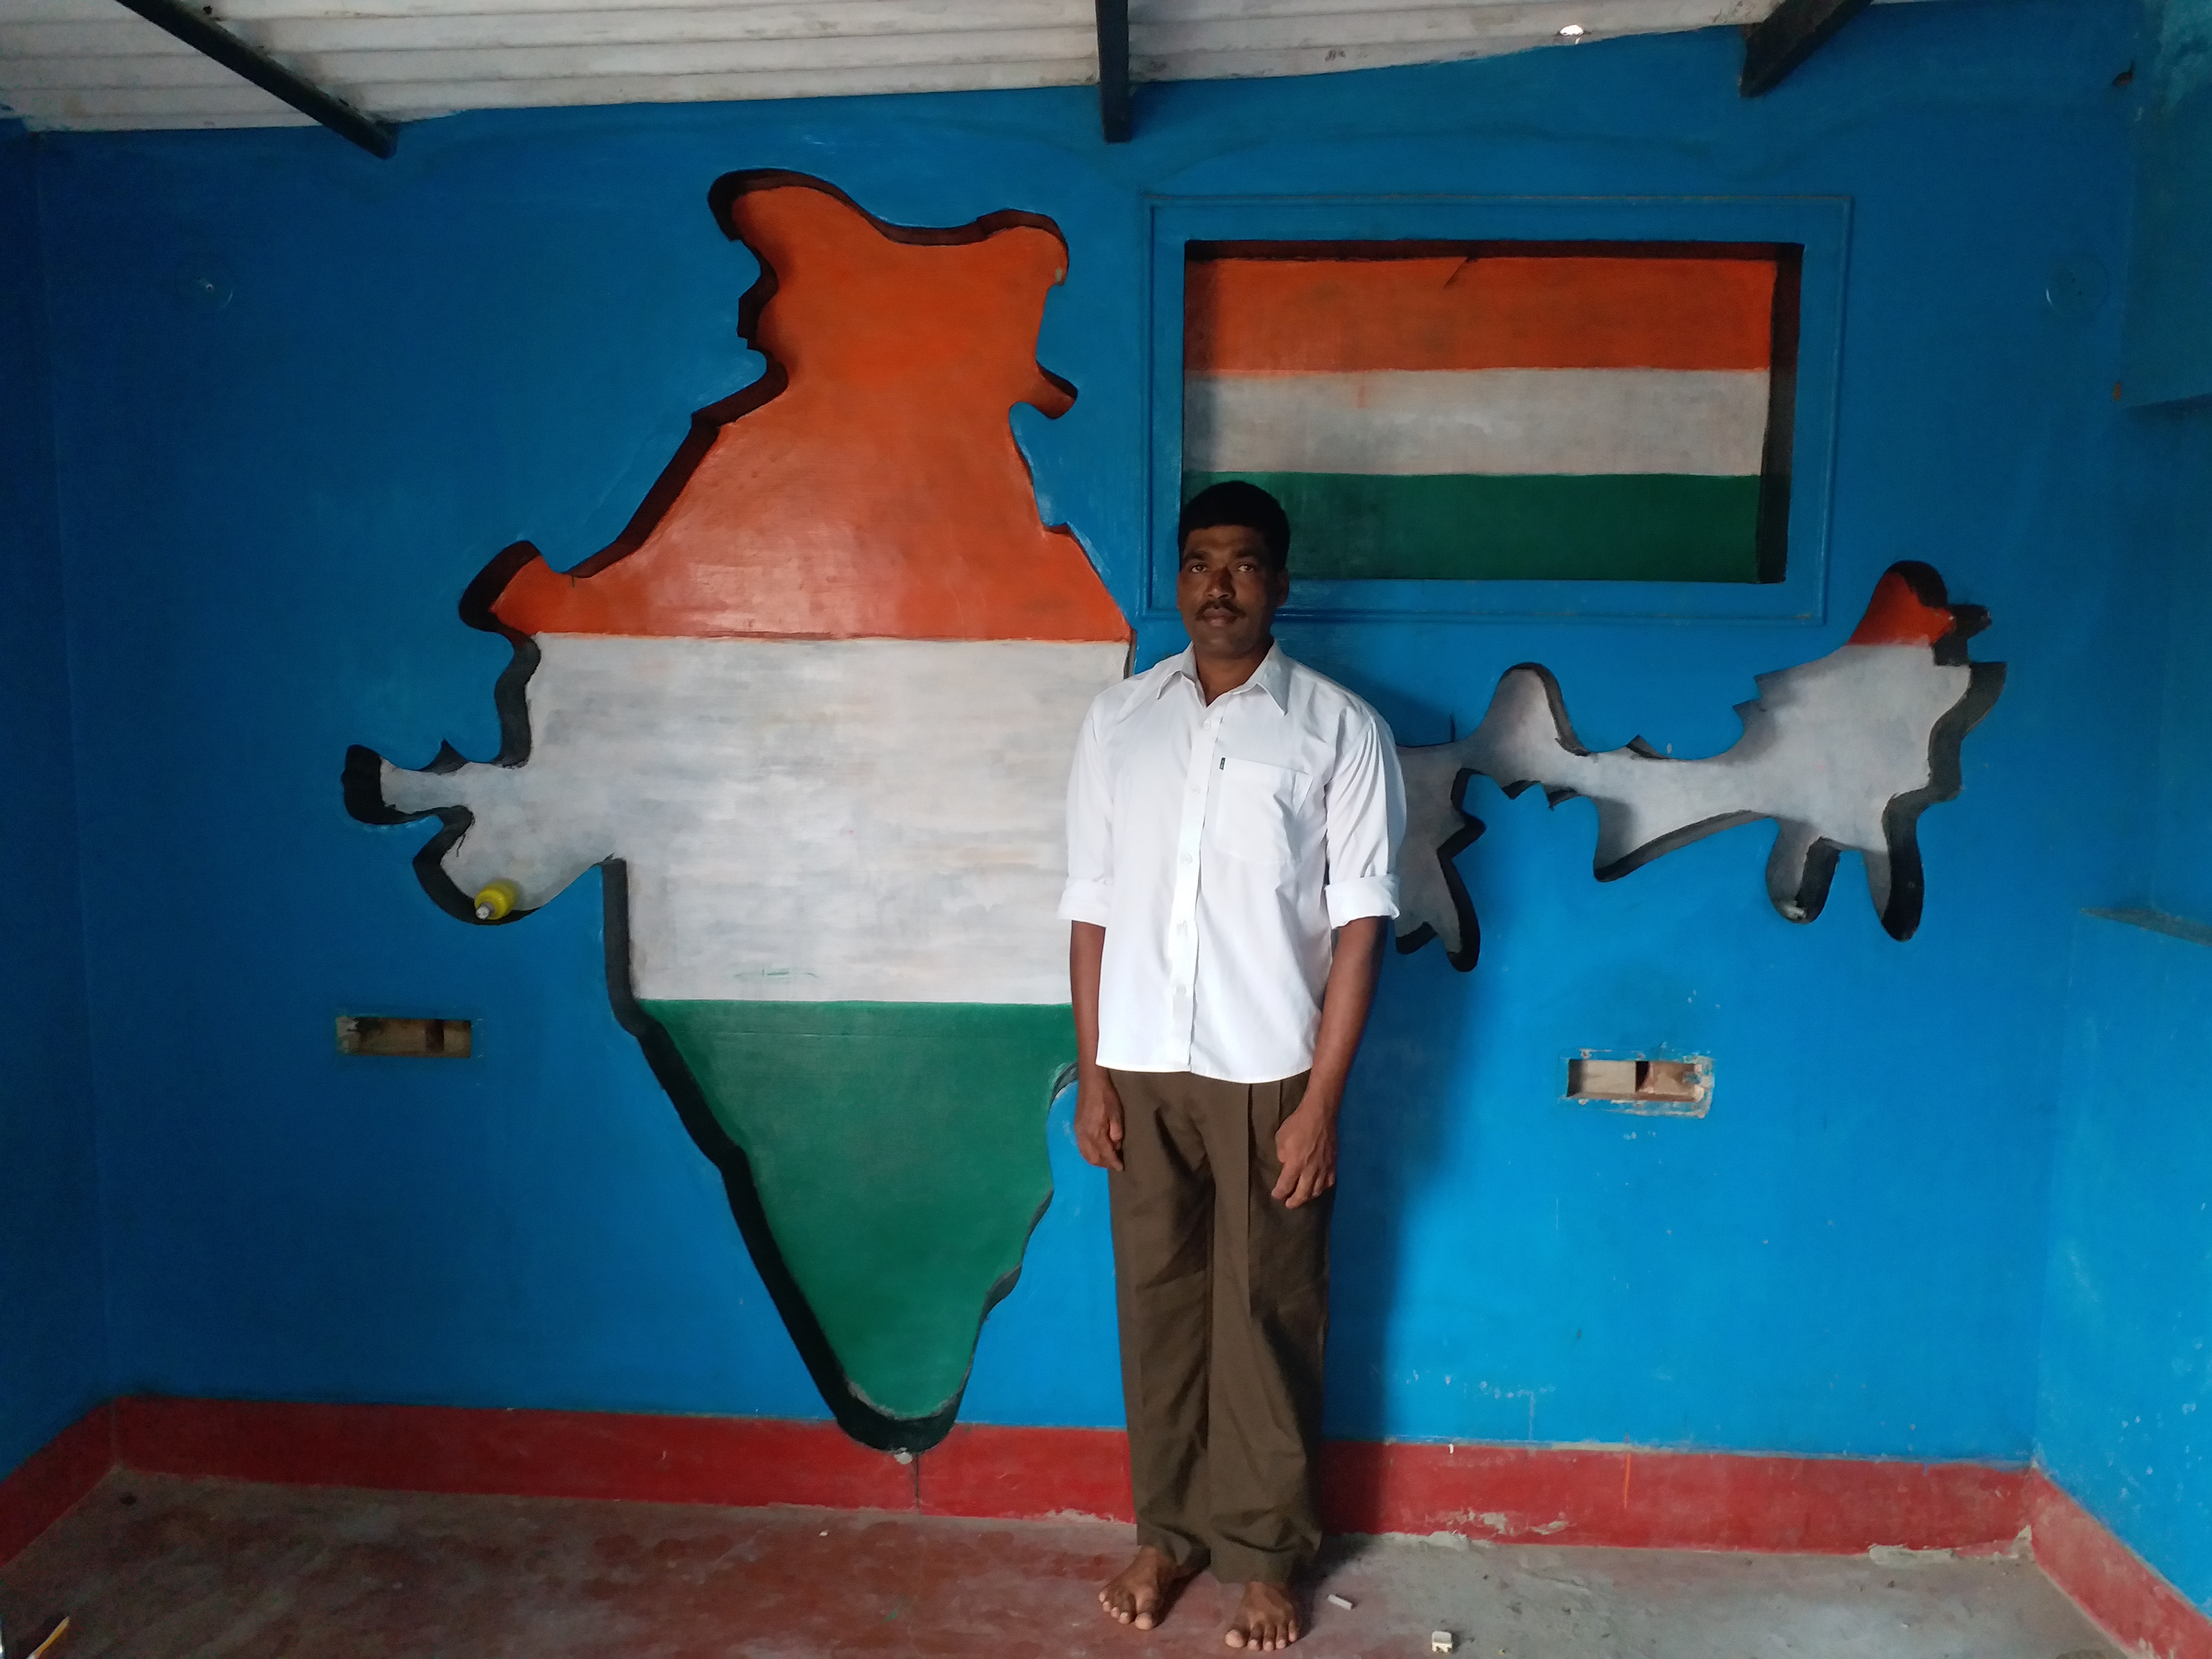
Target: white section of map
1827 747
1497 422
803 821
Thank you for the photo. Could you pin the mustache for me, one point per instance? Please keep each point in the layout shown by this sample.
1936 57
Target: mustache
1223 607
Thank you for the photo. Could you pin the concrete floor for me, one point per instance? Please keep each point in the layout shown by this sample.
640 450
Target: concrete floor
153 1568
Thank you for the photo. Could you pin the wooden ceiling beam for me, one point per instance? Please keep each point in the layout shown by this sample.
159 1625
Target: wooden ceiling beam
1113 115
1786 36
198 30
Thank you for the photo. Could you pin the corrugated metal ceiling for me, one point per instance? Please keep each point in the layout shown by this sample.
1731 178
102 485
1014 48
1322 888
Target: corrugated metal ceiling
85 64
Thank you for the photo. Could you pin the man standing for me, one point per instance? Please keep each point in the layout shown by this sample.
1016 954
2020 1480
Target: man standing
1233 824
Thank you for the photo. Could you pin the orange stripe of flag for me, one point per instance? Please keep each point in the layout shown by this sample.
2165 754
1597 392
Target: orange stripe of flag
1322 316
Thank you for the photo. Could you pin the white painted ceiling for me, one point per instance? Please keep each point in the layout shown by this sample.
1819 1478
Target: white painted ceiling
90 65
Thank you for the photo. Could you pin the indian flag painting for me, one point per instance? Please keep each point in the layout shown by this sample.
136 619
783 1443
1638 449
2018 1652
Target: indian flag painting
811 716
1501 410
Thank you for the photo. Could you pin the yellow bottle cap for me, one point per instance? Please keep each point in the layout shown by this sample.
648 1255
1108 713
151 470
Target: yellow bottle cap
497 899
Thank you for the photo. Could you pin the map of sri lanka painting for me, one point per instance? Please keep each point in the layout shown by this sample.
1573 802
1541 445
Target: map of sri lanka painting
811 715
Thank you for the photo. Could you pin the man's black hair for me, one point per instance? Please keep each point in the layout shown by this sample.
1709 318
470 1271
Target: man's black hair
1246 505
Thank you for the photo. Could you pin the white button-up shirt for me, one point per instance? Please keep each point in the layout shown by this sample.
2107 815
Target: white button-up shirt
1220 846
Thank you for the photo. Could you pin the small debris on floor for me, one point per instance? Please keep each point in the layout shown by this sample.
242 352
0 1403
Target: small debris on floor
1346 1602
1440 1641
53 1637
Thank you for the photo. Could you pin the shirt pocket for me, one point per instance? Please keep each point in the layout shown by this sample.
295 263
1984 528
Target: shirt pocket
1256 812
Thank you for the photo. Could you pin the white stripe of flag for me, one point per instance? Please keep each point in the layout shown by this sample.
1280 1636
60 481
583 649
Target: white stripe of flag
1499 421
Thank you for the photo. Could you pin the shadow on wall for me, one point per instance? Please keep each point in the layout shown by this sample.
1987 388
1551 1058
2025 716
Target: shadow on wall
1392 1150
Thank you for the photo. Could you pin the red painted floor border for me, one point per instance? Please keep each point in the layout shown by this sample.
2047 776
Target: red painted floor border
1020 1474
1562 1495
52 1480
517 1454
1690 1500
2109 1582
1679 1500
1617 1496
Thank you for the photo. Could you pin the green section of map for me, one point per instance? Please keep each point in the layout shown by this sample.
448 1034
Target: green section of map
898 1150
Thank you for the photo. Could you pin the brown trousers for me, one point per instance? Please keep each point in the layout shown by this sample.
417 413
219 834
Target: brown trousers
1223 1293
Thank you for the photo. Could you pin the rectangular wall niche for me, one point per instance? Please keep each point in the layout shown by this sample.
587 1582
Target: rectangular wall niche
1501 411
1663 1088
402 1037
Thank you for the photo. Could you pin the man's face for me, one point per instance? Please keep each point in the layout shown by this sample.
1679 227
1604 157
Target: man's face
1228 590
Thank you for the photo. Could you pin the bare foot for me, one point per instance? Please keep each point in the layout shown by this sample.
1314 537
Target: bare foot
1140 1593
1266 1620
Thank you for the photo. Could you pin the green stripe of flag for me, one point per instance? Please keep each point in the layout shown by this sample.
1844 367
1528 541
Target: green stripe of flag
1609 527
898 1149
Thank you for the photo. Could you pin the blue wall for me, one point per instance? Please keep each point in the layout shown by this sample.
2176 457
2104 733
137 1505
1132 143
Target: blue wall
2166 345
2171 491
303 396
2125 1416
2126 1412
52 1355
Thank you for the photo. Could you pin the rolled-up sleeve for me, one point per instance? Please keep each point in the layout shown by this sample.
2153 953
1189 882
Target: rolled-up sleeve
1088 895
1366 821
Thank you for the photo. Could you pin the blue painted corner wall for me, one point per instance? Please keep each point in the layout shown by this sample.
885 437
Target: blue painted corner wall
2166 343
2124 1417
53 1359
300 397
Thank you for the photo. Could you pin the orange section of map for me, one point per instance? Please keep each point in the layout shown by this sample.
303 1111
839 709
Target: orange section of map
879 493
1898 616
1343 316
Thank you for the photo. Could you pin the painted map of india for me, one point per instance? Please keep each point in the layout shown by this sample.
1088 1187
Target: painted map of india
809 714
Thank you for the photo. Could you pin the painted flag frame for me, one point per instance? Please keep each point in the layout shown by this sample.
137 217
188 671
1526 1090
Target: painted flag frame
1386 424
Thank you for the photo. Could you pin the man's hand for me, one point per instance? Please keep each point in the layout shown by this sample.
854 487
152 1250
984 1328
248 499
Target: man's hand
1306 1142
1306 1145
1098 1120
1098 1105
